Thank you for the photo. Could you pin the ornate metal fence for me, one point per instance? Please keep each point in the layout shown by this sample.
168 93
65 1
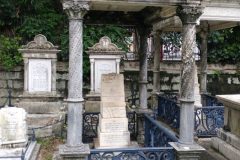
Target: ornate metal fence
90 125
209 100
160 153
157 135
208 119
169 111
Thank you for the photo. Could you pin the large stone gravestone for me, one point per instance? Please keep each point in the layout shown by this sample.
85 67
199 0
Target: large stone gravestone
113 123
40 98
104 58
13 128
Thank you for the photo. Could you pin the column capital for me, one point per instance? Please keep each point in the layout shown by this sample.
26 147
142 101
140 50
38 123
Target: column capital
189 13
75 9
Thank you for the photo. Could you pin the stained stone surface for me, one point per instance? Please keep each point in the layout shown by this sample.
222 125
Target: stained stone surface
231 112
197 95
13 128
113 123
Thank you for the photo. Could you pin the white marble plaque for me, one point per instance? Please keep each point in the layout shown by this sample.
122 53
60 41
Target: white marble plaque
13 128
113 112
114 139
103 67
40 75
113 125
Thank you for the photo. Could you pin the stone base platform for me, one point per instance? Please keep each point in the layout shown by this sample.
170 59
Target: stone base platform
228 144
30 154
92 103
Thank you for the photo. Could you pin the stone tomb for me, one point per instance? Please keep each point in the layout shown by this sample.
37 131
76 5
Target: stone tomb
40 98
113 122
104 58
13 134
227 141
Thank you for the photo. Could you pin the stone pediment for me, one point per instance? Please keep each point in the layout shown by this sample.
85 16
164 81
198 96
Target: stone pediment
40 42
105 45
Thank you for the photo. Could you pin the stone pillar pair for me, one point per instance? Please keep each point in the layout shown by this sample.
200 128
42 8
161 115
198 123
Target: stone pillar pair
186 148
74 148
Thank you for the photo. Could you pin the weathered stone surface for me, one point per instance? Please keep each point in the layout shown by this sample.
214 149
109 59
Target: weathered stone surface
13 128
119 139
113 125
226 149
232 112
113 112
112 86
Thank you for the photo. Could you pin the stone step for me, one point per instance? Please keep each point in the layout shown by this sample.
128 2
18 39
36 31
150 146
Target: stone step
46 125
41 107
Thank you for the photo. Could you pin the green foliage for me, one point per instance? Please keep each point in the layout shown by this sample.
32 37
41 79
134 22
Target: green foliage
223 46
9 55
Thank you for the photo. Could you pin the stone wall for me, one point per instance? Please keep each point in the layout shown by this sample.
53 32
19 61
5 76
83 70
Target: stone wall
221 79
15 79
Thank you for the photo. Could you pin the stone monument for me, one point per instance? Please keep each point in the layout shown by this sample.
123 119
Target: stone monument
39 97
13 134
113 123
104 58
227 141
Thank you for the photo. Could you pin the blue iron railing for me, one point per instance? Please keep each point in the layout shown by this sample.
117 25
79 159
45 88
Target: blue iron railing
209 100
157 135
90 125
169 111
158 153
208 119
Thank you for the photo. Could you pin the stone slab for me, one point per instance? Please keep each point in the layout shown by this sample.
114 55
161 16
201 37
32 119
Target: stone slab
229 138
113 112
113 104
13 127
133 144
112 98
41 107
226 149
112 85
230 101
114 139
40 73
113 125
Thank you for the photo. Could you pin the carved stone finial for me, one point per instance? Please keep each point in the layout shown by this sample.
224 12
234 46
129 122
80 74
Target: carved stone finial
75 9
105 45
189 13
39 42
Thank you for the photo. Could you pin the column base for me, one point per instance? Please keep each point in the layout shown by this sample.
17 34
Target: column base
67 152
187 152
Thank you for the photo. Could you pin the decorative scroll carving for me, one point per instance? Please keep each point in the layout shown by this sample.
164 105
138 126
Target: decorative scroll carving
39 42
104 44
75 9
189 13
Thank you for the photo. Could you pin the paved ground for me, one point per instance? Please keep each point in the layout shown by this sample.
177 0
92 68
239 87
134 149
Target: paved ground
210 153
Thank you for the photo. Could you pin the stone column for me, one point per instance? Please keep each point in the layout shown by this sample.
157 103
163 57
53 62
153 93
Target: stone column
75 149
54 61
189 15
117 65
204 49
92 75
26 62
186 148
143 70
156 70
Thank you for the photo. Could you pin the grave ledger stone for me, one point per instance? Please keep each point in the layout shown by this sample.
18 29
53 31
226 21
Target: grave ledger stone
113 122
